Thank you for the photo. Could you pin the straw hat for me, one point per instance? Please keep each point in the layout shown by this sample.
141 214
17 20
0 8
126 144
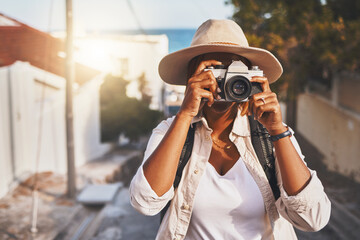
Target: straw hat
217 36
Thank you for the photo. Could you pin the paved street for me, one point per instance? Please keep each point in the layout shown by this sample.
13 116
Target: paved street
123 222
119 221
343 192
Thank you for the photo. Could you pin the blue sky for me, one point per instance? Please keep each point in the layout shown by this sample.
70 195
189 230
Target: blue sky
115 14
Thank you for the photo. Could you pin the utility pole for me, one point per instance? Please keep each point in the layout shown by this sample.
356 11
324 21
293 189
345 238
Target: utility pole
71 174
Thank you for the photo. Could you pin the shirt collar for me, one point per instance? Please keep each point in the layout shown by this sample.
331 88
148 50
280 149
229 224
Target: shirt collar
241 125
200 118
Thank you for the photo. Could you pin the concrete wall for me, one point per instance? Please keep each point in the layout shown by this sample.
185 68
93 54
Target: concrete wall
32 123
348 88
333 131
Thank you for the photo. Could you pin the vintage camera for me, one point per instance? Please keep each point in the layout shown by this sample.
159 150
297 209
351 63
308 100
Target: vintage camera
234 81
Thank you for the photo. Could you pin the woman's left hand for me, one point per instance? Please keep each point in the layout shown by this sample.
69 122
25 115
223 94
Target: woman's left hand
265 107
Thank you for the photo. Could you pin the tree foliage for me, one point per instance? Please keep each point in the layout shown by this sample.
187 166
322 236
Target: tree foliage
123 115
313 39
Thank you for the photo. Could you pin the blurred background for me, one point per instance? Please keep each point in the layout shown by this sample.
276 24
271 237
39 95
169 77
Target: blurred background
114 47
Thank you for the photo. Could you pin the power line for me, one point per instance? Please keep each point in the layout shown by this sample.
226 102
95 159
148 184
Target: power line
135 17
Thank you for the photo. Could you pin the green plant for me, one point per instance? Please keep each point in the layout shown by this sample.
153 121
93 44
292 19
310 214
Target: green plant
123 115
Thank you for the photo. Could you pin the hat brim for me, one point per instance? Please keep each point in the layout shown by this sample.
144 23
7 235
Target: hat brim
174 66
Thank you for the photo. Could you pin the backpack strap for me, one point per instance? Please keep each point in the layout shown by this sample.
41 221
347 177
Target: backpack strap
184 158
264 151
185 154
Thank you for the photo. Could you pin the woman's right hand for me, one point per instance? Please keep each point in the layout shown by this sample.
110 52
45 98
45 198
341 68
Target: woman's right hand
201 85
161 166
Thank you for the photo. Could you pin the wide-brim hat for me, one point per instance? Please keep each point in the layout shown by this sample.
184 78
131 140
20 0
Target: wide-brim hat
217 36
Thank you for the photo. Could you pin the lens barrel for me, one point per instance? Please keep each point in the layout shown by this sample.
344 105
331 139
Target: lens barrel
238 88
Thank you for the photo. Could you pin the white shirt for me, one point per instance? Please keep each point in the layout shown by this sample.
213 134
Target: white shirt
309 210
228 206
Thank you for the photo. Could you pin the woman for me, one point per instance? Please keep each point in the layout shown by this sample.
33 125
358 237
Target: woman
223 192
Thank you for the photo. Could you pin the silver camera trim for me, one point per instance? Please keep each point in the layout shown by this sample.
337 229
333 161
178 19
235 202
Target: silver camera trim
236 68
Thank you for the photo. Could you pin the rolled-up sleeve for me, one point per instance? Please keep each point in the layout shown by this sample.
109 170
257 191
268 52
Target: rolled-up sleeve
310 209
142 196
144 199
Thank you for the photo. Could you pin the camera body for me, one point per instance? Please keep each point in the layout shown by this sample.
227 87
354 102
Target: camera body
234 81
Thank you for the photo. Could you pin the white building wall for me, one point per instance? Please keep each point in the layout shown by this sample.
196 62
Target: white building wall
6 175
39 126
333 131
23 112
128 56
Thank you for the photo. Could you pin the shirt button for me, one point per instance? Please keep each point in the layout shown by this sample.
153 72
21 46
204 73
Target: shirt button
186 207
196 171
207 138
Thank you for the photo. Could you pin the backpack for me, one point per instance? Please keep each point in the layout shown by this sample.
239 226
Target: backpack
262 146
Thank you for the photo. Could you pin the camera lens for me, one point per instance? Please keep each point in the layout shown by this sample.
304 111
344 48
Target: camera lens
238 88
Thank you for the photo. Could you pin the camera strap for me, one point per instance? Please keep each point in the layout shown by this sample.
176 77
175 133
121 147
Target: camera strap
260 139
262 146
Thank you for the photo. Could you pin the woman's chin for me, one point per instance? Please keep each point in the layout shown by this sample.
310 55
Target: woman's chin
221 106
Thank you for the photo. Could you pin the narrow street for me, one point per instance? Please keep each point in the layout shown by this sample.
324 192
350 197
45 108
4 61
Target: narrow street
121 221
63 219
115 220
